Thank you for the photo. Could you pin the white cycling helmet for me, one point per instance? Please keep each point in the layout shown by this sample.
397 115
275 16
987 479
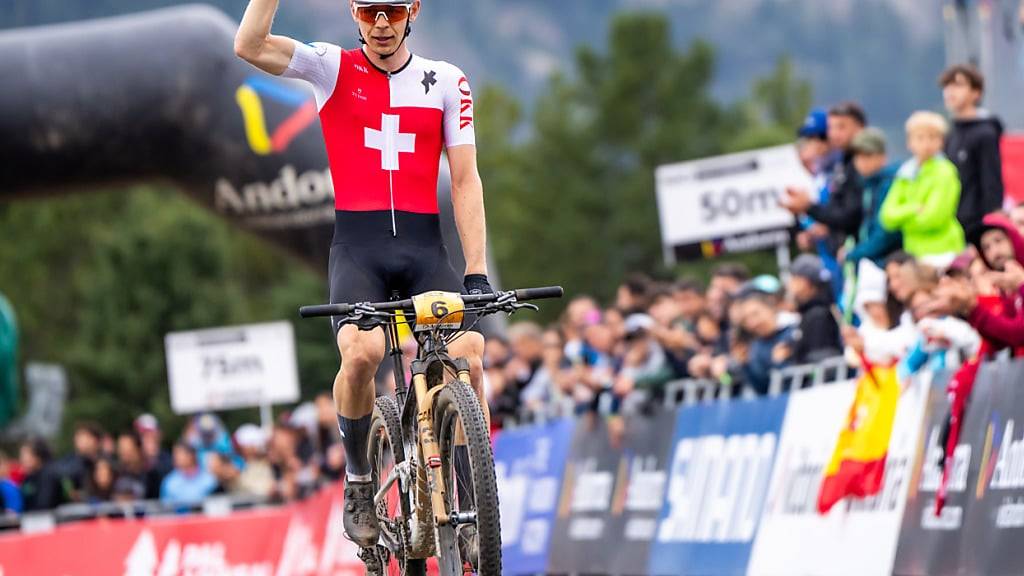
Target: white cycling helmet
385 2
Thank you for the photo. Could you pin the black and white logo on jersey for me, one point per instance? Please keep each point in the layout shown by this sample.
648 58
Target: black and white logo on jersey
429 79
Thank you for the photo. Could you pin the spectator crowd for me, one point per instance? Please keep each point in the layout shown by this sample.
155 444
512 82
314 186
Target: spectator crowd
912 264
301 452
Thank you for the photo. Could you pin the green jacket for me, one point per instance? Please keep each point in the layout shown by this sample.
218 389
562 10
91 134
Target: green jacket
922 204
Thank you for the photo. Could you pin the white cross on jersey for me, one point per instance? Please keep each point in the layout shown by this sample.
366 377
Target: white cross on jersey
389 141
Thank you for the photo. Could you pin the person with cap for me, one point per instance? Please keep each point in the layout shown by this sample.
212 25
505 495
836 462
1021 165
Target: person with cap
767 329
158 461
644 364
924 196
839 210
812 142
816 338
769 285
257 478
876 174
209 436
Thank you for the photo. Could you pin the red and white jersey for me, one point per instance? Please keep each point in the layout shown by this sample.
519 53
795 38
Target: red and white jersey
384 131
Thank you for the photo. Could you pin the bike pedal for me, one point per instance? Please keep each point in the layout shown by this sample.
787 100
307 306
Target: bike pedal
375 559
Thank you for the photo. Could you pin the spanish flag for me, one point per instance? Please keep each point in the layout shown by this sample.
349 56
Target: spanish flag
858 462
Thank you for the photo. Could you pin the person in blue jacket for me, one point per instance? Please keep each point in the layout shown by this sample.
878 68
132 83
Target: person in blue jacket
189 483
10 494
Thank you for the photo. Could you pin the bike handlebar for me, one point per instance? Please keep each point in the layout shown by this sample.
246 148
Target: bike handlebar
521 295
524 294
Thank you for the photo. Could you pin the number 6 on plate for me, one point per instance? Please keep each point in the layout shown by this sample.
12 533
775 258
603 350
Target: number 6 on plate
443 310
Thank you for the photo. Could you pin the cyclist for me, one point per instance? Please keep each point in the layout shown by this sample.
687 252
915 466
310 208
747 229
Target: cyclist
386 114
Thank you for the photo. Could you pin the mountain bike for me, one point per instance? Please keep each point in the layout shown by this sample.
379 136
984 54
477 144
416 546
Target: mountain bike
428 506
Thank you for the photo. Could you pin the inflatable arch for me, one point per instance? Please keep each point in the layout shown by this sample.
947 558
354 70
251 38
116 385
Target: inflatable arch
161 96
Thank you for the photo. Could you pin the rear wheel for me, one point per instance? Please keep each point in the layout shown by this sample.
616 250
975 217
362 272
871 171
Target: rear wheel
385 452
471 493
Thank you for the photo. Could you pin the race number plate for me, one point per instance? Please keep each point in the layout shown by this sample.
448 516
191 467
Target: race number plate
442 310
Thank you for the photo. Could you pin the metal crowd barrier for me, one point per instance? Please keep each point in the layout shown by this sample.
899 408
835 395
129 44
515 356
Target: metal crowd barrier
44 521
827 371
689 392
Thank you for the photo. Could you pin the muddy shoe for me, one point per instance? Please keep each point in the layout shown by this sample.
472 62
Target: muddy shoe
360 518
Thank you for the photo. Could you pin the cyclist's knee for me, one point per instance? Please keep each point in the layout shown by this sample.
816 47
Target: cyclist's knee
361 354
361 363
469 346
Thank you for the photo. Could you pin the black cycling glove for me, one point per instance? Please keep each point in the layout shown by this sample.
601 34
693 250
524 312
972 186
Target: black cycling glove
477 284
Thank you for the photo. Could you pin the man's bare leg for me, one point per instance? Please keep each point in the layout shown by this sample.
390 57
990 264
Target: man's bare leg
361 354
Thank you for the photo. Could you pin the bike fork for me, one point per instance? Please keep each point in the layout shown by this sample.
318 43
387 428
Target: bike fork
429 449
431 453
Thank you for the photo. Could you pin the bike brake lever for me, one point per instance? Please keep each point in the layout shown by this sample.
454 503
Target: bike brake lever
365 317
363 309
504 298
506 302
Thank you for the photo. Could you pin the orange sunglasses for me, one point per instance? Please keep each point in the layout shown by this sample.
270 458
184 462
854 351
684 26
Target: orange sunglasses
391 12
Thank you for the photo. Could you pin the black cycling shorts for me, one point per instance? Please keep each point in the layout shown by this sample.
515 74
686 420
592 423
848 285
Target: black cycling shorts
368 263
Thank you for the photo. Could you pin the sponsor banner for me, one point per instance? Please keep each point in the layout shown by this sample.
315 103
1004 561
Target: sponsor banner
726 196
983 522
232 367
994 525
529 463
720 465
303 539
640 490
857 537
581 541
613 494
929 544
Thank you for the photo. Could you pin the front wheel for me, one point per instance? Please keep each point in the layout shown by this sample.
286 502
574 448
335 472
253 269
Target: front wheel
473 539
386 452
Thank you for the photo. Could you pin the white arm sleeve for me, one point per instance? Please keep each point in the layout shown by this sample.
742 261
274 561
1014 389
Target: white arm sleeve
458 109
317 63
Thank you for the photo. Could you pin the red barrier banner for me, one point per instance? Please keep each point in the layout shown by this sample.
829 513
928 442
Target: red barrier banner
303 539
1013 167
